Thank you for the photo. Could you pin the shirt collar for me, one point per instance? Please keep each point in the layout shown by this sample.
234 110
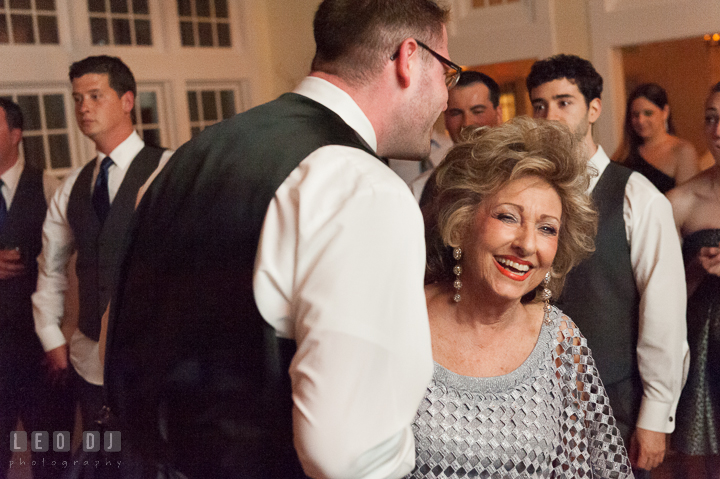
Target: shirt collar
124 153
599 161
340 102
11 178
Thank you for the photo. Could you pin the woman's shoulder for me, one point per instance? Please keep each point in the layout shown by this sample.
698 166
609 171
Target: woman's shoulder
565 328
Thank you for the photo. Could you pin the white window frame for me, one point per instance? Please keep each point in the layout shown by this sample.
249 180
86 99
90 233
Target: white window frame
33 12
109 16
238 88
159 90
70 129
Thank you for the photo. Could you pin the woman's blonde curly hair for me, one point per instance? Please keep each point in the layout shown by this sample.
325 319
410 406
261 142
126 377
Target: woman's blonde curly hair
491 158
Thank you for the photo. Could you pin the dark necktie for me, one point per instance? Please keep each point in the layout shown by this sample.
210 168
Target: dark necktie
101 197
3 207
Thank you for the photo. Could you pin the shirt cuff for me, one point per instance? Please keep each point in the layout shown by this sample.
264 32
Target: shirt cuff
51 337
656 416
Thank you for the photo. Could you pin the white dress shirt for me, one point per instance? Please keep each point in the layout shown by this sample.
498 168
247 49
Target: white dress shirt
339 269
58 247
662 349
11 178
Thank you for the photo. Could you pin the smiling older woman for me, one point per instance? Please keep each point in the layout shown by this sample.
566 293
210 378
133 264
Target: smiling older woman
515 392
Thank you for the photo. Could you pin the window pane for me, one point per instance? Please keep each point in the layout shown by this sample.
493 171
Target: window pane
142 32
121 31
151 137
47 27
34 151
30 106
221 10
202 7
184 8
20 4
209 107
223 30
227 103
205 34
186 34
59 151
119 6
45 5
3 29
193 106
54 111
99 30
96 5
140 6
22 29
148 107
195 130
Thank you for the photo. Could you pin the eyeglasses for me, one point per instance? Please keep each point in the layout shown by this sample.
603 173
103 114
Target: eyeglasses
452 75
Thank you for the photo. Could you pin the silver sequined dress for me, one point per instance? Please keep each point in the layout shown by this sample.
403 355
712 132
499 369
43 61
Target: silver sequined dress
550 418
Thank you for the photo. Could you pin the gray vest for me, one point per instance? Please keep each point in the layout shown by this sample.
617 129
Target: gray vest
23 229
197 377
98 245
601 296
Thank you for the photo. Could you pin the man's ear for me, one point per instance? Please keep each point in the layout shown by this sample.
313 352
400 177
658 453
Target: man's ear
406 59
127 101
16 136
594 110
498 115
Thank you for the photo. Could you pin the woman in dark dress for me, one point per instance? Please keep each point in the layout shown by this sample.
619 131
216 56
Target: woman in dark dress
696 206
650 146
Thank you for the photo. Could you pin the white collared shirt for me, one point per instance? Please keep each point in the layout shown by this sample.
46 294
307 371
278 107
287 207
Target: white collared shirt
11 178
657 264
58 247
339 269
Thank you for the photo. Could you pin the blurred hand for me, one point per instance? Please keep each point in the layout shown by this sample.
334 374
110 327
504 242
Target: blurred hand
10 263
647 448
709 258
57 364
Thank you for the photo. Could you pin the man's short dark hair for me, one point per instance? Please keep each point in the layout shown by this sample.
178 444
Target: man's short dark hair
119 75
576 70
355 38
469 77
13 114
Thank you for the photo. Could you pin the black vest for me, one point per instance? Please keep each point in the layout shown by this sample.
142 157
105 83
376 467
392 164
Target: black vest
98 245
601 296
196 376
22 229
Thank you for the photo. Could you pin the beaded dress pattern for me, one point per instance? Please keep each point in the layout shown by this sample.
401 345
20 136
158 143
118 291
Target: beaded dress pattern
550 418
698 413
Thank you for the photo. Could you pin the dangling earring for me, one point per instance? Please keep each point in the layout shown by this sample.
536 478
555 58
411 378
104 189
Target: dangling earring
457 270
545 295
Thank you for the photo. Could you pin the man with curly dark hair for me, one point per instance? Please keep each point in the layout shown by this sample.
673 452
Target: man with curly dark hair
629 296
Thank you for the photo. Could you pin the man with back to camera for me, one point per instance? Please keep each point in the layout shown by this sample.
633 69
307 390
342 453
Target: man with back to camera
25 390
629 297
474 102
90 214
279 242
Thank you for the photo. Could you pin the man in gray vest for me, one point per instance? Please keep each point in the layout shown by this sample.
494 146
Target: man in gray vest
629 296
26 392
90 214
270 310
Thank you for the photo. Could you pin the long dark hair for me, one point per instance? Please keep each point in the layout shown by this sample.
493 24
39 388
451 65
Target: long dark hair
653 93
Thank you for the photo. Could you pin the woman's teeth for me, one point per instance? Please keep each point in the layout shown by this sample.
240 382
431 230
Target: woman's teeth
512 264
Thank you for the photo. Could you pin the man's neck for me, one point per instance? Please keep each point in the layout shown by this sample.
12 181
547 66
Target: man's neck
590 146
8 163
107 145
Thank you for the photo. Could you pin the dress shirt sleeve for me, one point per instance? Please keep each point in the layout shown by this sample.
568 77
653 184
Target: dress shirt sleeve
340 270
657 264
58 246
